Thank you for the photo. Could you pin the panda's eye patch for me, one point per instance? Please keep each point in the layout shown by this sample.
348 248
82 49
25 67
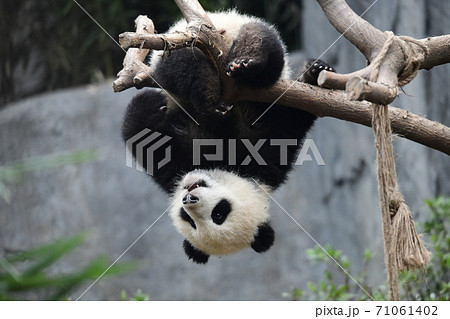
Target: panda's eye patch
221 211
185 216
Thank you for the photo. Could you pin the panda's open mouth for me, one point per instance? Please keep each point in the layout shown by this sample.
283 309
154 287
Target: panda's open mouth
197 184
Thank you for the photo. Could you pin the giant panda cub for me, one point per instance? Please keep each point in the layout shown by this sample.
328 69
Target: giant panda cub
220 205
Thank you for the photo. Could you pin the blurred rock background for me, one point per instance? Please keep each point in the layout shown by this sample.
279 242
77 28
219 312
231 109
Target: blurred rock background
114 204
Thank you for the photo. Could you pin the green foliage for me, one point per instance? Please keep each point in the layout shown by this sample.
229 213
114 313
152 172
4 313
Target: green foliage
433 283
138 296
336 283
15 172
25 275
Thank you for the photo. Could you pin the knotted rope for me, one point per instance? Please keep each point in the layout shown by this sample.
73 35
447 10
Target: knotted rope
403 247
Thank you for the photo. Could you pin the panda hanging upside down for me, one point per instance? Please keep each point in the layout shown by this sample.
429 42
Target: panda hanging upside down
221 205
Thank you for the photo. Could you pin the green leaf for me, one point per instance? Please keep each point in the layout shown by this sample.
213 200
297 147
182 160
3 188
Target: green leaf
45 256
33 275
311 286
14 172
297 293
367 255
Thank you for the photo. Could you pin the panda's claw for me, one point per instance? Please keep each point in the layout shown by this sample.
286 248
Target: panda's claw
238 65
224 109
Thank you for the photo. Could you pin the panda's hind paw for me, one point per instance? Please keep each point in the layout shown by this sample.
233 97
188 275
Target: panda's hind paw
239 65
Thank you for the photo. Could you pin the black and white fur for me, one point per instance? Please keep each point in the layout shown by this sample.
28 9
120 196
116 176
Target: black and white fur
218 207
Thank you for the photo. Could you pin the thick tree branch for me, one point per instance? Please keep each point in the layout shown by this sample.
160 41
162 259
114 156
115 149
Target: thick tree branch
171 41
438 51
337 81
193 12
354 28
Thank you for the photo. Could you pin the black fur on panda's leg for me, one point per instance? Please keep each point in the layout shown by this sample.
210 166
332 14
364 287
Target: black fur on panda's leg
256 57
146 110
312 69
264 238
193 253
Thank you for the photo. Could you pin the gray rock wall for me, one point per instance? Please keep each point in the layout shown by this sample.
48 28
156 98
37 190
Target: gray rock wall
336 203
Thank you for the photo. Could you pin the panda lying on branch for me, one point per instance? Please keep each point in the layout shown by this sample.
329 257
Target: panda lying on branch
221 205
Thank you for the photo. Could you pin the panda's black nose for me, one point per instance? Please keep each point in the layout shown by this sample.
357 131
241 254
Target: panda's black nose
190 199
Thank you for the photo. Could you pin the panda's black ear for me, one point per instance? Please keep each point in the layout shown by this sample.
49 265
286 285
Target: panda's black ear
264 238
195 254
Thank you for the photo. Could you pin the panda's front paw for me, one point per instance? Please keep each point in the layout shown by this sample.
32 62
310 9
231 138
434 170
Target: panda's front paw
313 68
239 65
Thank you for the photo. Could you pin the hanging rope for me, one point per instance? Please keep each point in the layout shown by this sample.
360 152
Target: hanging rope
403 247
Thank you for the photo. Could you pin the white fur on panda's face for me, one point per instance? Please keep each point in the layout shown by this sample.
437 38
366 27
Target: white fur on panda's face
217 211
